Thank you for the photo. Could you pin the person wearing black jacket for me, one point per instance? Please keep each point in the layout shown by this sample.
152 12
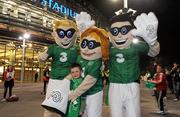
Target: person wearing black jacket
175 74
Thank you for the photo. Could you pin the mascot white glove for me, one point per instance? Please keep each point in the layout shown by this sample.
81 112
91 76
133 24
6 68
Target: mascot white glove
43 56
83 21
146 27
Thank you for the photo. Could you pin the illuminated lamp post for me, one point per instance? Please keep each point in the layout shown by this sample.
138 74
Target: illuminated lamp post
125 8
24 37
125 3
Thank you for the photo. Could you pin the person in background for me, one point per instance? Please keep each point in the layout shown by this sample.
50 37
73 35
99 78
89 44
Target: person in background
175 74
169 80
36 76
105 74
161 87
8 81
46 76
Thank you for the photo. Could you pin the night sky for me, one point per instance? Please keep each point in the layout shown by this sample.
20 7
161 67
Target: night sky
168 14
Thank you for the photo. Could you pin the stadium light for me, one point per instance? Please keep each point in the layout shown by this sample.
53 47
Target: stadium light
24 37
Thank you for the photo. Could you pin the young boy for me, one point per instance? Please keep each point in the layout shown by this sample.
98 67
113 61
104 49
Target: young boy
75 106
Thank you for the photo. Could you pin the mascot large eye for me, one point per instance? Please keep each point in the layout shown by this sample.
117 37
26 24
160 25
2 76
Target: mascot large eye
69 34
124 31
84 44
91 45
114 31
61 34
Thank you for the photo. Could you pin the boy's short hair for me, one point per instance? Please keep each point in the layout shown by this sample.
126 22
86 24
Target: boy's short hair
75 65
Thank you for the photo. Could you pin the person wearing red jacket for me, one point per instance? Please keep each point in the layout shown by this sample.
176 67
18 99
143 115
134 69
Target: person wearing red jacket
8 81
161 87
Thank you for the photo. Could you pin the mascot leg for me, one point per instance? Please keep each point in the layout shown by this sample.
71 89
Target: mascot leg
50 114
127 96
133 104
115 102
94 105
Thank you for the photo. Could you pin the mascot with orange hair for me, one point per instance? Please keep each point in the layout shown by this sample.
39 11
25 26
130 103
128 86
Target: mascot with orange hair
63 54
93 50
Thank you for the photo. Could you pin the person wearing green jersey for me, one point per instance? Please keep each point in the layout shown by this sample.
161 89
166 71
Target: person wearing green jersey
93 49
63 54
124 71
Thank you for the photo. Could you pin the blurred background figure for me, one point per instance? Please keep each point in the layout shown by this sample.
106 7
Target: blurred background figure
175 74
36 76
8 81
46 76
105 73
169 80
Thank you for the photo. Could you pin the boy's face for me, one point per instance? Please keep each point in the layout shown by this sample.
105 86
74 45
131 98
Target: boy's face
75 72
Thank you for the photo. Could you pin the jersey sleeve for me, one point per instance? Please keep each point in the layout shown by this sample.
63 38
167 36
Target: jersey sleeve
94 69
50 51
142 48
78 59
74 53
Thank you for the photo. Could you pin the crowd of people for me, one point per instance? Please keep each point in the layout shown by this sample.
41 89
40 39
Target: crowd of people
164 79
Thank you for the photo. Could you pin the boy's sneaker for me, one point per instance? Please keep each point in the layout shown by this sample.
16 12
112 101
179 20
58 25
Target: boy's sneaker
165 98
3 100
161 112
175 99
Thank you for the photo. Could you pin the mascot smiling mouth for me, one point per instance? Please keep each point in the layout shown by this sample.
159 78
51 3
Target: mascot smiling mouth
64 44
88 54
121 41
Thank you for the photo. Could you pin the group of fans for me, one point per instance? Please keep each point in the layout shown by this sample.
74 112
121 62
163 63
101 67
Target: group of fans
162 80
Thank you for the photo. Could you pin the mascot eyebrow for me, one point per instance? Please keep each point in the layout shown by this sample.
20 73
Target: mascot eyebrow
65 23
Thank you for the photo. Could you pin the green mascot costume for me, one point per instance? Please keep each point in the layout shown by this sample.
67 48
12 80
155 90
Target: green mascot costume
93 49
125 52
63 54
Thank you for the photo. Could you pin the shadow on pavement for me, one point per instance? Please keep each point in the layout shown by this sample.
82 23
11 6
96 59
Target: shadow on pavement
166 115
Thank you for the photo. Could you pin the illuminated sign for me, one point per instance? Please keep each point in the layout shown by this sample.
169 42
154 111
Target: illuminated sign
58 7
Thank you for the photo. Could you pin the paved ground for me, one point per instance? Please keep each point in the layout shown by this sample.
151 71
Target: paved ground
30 101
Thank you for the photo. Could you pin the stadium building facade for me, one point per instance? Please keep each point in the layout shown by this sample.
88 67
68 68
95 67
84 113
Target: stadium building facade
18 17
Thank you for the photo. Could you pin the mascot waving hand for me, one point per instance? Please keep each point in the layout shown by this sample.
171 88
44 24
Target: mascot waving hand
124 60
93 49
63 54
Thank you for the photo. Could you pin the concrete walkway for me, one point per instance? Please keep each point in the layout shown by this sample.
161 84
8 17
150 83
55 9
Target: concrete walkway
30 99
